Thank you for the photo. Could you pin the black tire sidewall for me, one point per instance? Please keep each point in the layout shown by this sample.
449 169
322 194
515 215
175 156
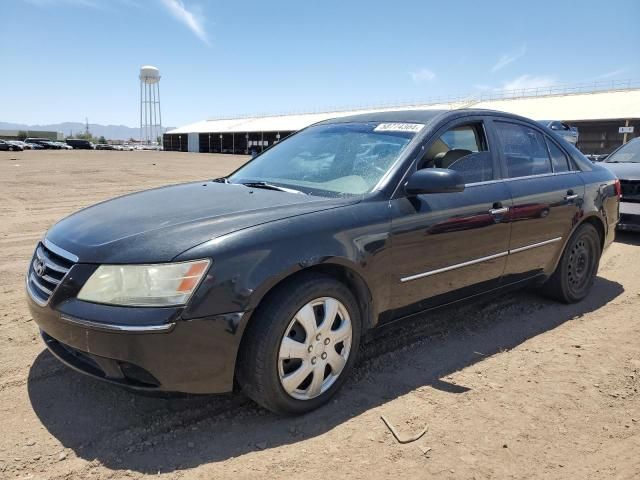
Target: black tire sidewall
584 232
278 314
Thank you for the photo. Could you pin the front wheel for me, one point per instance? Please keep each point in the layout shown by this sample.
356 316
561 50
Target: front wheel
576 271
300 345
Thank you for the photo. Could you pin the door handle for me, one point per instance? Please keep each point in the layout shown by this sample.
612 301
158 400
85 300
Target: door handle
570 196
499 211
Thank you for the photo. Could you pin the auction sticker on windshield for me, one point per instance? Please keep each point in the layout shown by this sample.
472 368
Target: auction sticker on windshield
399 127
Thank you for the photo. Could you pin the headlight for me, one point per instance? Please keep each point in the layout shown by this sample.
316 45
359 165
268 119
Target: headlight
159 285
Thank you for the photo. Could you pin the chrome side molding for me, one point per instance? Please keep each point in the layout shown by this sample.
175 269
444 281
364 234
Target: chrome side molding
453 267
535 245
479 260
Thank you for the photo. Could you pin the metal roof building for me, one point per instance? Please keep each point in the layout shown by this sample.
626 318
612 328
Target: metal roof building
598 110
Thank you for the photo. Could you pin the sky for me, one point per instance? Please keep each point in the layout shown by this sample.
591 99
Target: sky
64 60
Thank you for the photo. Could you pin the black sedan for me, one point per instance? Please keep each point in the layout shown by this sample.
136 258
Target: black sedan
9 147
625 164
269 278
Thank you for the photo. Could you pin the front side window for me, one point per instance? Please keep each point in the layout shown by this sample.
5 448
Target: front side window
333 159
464 149
524 149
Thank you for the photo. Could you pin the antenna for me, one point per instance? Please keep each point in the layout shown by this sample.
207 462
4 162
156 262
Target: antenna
150 114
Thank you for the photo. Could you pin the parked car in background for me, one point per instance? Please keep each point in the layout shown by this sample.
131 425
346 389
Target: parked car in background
63 145
20 143
104 146
570 134
269 278
43 142
595 157
80 144
9 146
625 164
32 146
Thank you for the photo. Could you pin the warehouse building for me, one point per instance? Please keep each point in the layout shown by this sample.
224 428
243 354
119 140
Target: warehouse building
606 116
22 134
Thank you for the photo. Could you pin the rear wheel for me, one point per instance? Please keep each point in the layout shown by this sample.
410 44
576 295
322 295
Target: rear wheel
577 268
301 345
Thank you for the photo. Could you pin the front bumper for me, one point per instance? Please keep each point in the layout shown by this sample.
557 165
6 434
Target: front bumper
174 355
629 217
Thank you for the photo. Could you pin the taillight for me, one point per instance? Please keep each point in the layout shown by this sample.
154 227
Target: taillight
618 188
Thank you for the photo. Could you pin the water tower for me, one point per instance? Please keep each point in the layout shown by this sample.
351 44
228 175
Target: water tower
150 116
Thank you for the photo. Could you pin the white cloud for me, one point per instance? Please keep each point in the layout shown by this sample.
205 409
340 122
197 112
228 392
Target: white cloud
423 75
193 21
528 81
613 73
508 58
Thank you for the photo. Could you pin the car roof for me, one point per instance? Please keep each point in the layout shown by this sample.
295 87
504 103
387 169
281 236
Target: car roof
407 116
420 116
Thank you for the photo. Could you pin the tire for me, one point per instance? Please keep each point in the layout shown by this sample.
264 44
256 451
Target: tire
576 271
12 149
282 344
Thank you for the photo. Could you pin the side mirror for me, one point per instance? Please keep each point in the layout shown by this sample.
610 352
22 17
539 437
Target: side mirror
434 180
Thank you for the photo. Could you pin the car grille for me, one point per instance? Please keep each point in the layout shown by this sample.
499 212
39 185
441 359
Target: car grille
630 190
46 271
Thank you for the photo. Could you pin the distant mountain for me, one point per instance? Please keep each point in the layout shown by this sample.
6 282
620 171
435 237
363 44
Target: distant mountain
110 132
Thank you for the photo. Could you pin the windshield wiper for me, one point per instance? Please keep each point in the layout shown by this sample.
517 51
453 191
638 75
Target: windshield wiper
221 180
270 186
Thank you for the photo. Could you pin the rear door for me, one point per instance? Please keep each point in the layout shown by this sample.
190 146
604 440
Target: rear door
547 195
447 246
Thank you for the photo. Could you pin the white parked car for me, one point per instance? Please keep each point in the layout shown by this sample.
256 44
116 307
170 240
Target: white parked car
20 143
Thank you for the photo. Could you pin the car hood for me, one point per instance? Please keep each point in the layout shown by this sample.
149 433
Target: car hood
157 225
624 171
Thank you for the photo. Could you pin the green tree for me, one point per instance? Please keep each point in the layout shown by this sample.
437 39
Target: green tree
22 135
102 139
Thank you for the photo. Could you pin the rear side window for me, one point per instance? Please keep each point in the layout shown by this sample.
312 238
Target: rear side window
524 150
558 158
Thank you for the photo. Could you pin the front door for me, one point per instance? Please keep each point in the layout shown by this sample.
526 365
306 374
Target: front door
451 245
547 195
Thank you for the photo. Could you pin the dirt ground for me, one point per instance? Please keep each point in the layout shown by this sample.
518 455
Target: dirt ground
512 387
